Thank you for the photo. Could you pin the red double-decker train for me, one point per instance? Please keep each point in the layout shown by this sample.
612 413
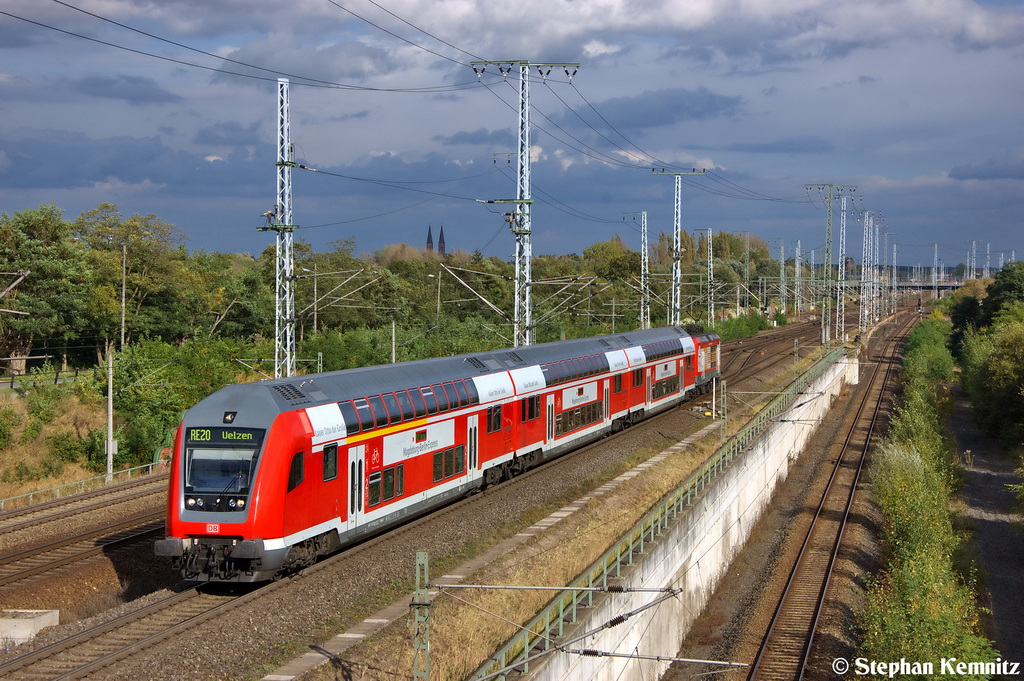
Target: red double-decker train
266 477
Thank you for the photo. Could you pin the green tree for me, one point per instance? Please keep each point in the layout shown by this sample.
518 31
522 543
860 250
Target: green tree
1007 287
38 241
612 259
224 295
149 251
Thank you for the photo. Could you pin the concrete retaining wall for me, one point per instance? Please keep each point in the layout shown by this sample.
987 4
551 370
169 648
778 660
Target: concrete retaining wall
696 550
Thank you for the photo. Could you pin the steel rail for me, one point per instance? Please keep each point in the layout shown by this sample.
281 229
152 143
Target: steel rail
131 531
795 580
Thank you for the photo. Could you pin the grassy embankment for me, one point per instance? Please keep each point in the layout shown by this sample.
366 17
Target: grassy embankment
922 607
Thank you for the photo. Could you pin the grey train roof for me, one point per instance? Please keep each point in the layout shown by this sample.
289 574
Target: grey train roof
284 394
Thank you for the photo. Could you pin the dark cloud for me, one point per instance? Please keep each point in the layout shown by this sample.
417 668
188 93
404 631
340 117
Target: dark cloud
58 159
135 90
502 138
14 35
345 117
654 108
229 134
349 62
1005 168
787 145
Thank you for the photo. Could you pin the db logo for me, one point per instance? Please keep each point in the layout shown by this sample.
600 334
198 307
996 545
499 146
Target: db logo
213 529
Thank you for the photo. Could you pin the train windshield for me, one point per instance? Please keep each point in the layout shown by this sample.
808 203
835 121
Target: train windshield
221 459
219 470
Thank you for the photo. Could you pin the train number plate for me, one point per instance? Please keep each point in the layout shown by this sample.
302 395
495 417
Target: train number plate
212 528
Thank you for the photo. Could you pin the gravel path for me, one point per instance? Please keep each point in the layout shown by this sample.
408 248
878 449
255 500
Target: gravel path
991 514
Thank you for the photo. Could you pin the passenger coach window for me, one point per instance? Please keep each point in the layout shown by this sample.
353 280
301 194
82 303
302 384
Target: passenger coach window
393 409
403 400
428 397
474 396
379 411
348 413
330 462
295 472
453 397
365 415
374 489
439 395
438 466
417 401
460 389
449 462
494 418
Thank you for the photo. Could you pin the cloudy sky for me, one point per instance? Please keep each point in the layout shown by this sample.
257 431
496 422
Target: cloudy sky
169 107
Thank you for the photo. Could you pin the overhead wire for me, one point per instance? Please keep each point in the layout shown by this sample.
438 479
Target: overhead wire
597 154
565 208
735 191
396 185
398 37
310 82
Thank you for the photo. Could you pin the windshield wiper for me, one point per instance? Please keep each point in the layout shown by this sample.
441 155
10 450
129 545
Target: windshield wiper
234 478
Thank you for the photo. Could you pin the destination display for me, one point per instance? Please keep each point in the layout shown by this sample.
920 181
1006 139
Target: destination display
225 436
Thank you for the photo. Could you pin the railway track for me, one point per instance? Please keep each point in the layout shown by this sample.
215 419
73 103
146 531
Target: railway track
102 645
19 566
787 644
31 517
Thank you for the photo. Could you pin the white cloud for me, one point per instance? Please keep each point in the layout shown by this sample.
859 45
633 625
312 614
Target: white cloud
596 48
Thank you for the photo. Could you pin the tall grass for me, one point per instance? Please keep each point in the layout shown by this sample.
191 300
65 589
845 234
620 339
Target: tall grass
921 608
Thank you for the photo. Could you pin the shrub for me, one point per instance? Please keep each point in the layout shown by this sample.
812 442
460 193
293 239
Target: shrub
920 607
8 419
66 446
44 400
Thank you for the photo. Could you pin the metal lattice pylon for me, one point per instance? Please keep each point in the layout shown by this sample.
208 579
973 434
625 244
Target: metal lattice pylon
519 220
279 220
675 311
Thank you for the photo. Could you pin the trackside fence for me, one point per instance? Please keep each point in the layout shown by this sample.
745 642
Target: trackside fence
540 634
78 487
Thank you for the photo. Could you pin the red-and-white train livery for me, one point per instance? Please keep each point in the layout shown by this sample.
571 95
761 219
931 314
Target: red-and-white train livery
267 476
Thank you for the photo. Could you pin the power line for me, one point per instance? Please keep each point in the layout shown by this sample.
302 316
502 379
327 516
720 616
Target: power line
312 82
407 23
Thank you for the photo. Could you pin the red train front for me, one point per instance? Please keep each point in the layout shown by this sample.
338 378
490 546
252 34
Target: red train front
267 476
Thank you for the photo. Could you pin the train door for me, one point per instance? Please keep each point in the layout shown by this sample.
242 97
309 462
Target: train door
473 444
607 400
356 464
551 419
649 384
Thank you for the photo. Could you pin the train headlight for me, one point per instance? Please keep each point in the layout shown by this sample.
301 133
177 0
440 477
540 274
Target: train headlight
231 503
190 502
241 503
199 502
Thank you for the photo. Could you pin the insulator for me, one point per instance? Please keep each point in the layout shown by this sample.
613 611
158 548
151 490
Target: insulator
616 588
590 652
616 621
